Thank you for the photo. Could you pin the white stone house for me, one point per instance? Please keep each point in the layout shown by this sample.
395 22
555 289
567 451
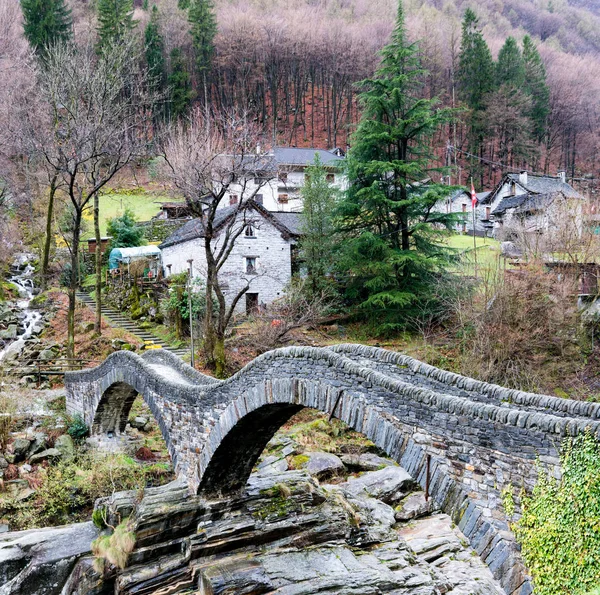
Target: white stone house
460 202
524 204
261 258
277 188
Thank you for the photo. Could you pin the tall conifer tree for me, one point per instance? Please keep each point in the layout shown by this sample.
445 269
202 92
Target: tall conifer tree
203 30
155 48
46 22
319 198
510 70
180 85
476 66
115 21
393 249
536 87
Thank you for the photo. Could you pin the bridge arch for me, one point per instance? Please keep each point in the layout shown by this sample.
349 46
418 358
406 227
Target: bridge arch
475 438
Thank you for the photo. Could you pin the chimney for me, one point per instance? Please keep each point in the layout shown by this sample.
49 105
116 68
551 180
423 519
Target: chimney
523 178
562 176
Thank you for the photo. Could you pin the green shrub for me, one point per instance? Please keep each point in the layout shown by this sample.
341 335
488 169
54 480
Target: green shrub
560 528
77 428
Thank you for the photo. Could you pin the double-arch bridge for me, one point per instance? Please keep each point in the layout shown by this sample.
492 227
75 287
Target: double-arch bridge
464 439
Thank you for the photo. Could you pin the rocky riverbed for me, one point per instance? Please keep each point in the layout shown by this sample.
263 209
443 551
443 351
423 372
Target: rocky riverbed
307 524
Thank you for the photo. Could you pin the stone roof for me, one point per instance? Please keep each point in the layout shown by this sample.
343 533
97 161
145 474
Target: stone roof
287 223
509 202
292 221
481 196
545 185
526 203
193 229
298 156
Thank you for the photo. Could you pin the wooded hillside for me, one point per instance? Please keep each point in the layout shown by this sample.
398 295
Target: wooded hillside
296 65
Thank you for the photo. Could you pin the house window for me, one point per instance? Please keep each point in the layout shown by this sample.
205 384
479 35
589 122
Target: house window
513 188
251 303
283 176
488 212
464 208
249 231
233 199
283 199
258 199
331 178
250 265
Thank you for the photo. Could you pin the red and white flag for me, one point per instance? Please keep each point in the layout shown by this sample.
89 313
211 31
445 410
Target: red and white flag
473 196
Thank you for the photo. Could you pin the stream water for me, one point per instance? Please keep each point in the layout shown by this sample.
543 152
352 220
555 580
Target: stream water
22 279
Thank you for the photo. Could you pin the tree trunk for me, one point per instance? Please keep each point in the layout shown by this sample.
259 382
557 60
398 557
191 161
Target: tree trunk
98 255
178 321
48 240
73 286
219 354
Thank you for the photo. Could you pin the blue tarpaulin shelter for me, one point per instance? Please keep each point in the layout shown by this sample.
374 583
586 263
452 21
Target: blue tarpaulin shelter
120 256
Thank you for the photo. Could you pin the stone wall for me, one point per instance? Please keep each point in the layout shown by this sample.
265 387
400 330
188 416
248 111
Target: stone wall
476 439
273 259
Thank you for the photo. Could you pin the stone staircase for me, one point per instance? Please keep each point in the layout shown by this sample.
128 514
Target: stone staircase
119 320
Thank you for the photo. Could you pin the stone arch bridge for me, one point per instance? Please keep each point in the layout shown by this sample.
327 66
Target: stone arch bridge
466 440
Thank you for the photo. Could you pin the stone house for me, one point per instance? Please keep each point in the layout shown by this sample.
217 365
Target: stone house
278 186
460 202
528 205
261 259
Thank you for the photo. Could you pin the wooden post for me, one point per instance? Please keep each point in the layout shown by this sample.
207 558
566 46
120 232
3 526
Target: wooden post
428 463
190 261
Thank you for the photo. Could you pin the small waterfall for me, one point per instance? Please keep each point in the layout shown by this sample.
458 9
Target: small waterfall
22 279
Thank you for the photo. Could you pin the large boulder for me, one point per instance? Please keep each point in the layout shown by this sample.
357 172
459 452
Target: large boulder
10 333
413 506
138 422
39 443
321 464
39 561
20 448
366 461
65 445
389 485
50 453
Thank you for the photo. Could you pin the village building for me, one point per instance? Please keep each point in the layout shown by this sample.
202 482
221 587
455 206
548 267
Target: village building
525 205
278 186
173 210
262 257
461 202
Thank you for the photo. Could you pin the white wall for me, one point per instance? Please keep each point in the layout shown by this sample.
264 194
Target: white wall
274 263
271 190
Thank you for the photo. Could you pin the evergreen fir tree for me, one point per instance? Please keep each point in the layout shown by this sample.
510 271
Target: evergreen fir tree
393 250
475 84
115 21
510 69
476 66
46 22
203 30
155 47
179 82
319 198
536 87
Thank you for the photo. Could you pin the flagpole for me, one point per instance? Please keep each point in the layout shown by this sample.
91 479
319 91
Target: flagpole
473 212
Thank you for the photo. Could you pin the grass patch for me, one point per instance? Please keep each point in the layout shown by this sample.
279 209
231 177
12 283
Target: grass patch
143 205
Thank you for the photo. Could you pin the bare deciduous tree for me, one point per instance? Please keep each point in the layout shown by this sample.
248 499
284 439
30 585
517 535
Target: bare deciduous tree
206 163
95 113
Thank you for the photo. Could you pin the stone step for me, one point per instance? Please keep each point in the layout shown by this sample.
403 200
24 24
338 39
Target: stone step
117 319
